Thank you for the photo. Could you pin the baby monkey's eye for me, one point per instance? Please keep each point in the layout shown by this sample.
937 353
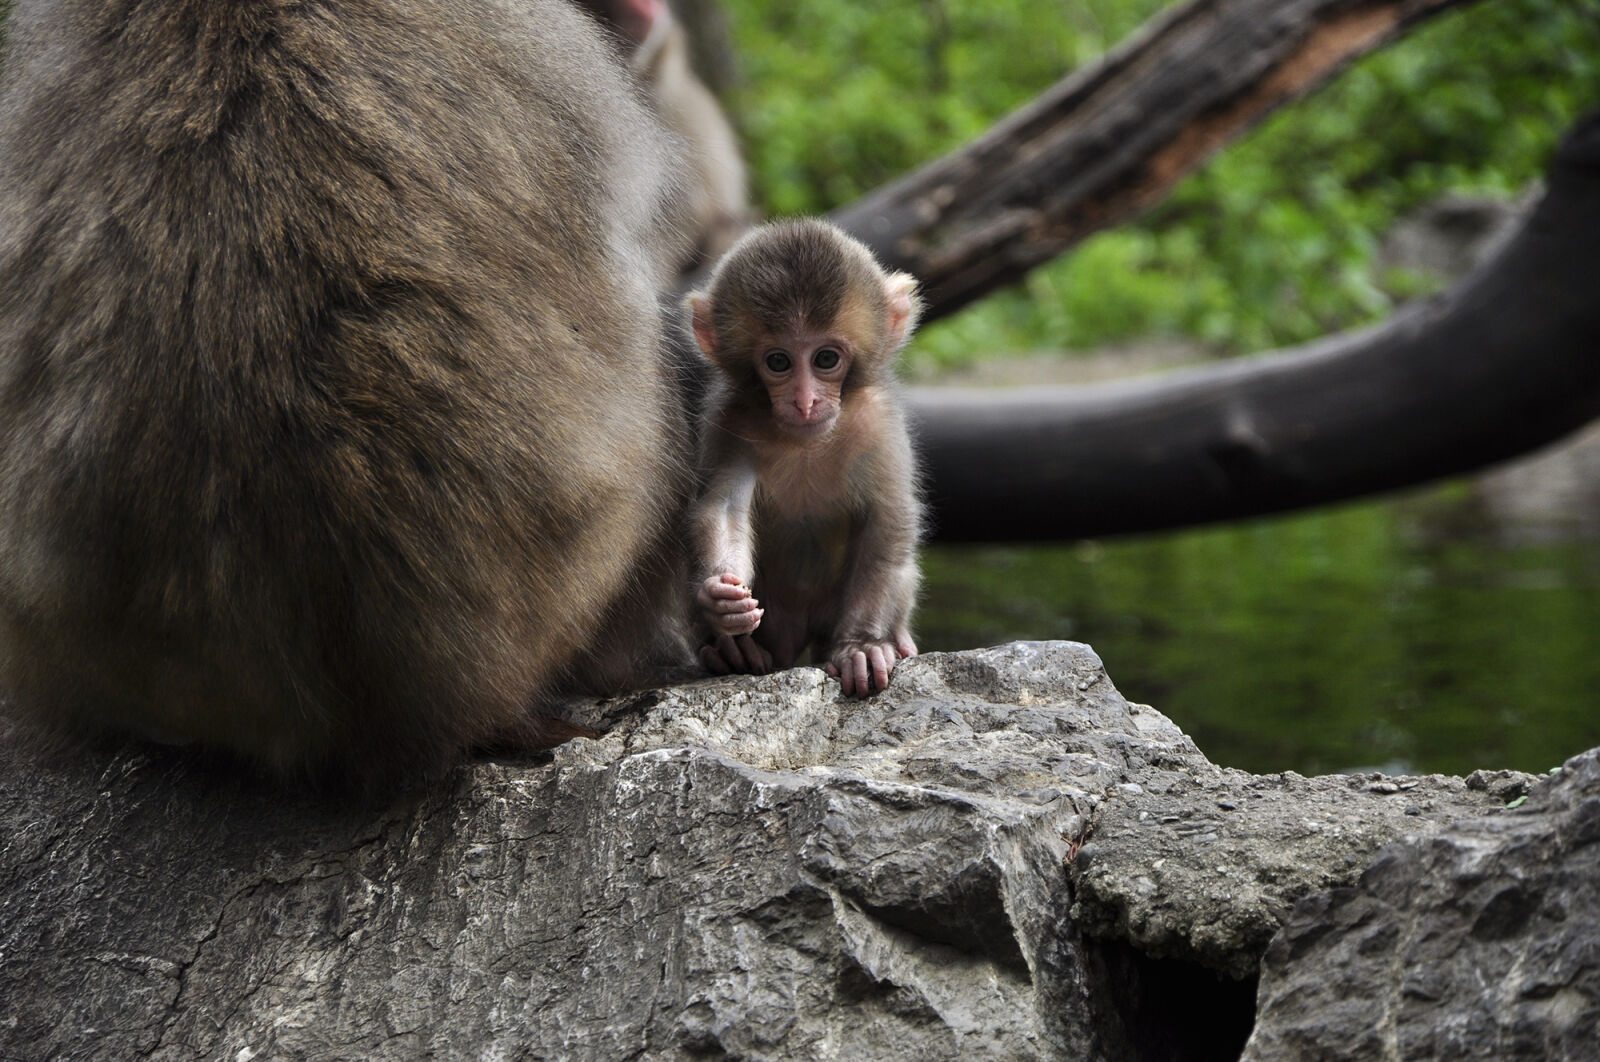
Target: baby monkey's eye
778 361
826 358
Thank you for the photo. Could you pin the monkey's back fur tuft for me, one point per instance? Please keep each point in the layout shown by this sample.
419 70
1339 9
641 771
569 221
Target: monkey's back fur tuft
334 423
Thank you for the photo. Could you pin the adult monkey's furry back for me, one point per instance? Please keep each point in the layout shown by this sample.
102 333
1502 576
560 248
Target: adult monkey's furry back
335 428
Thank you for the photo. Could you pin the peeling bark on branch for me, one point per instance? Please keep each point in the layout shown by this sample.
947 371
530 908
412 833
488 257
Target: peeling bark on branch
1110 140
1507 361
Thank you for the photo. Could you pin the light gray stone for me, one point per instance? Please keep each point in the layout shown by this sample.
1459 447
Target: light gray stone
1479 942
749 868
1204 863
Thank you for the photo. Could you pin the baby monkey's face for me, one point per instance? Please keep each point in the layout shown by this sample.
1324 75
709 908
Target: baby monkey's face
804 376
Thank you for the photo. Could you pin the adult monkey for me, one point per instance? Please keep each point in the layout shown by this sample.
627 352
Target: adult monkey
335 424
656 48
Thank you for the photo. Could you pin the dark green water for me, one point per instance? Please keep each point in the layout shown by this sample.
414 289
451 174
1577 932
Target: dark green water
1378 634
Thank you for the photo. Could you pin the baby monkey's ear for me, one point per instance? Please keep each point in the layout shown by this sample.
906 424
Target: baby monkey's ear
905 306
705 336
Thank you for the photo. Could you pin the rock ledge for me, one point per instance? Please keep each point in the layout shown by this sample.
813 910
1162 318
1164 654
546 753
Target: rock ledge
983 862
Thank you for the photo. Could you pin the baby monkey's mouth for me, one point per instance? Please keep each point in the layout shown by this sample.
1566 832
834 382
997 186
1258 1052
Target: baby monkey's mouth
809 429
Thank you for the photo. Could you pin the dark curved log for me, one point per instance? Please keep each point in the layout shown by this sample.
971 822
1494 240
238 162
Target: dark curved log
1112 138
1506 361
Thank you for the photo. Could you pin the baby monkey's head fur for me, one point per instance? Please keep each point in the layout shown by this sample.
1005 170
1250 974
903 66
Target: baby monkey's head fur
803 279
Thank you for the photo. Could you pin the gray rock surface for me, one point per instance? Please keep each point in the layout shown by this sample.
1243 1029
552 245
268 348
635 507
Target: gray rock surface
1479 942
749 868
1205 863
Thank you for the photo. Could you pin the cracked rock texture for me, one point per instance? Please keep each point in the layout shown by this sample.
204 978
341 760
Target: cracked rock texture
1480 942
747 868
1203 863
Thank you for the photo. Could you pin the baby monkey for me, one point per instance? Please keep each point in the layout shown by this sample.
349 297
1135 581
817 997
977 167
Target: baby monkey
810 493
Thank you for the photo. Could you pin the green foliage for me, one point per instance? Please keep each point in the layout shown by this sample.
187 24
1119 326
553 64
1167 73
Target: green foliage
1272 243
839 96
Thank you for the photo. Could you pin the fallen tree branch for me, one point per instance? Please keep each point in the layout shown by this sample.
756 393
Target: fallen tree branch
1110 140
1507 361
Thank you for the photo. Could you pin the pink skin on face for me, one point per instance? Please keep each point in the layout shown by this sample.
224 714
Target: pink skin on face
636 18
803 378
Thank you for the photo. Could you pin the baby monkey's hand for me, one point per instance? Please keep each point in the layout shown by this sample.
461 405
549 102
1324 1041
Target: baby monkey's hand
727 605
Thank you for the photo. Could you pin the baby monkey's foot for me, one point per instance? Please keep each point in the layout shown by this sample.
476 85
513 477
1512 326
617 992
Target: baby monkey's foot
730 655
862 666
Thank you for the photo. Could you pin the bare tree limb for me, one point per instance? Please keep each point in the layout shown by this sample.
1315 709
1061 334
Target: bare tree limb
1110 140
1506 361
